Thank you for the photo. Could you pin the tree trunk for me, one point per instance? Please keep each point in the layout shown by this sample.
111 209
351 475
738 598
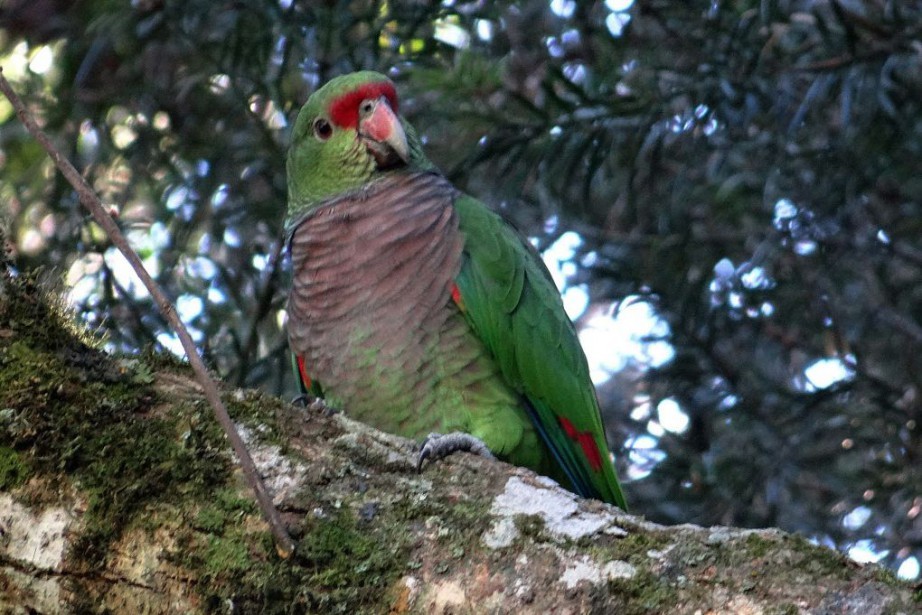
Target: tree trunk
119 495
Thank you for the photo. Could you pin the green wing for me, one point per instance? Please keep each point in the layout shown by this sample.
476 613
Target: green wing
512 304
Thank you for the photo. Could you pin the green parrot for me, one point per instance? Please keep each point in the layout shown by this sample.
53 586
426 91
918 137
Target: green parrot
418 310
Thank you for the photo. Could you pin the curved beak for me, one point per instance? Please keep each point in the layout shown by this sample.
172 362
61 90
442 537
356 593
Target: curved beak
381 131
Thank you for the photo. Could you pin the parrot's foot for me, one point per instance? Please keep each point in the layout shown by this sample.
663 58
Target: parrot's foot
302 400
437 446
314 404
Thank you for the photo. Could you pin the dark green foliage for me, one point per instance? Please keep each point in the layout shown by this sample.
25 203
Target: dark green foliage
752 169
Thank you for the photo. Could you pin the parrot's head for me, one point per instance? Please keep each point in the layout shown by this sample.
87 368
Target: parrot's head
347 134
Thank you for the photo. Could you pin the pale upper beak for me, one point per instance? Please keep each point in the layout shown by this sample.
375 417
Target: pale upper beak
382 132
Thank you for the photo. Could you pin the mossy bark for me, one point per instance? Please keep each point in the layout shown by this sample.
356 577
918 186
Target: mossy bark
118 494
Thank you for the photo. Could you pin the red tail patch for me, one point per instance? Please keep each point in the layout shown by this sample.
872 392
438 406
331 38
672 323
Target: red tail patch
302 370
344 111
585 440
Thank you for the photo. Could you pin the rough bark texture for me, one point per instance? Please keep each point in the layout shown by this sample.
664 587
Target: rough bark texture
118 495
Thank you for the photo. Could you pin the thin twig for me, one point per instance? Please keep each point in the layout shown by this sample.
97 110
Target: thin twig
284 544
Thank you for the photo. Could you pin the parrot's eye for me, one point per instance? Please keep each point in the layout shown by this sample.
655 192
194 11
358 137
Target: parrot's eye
366 107
322 129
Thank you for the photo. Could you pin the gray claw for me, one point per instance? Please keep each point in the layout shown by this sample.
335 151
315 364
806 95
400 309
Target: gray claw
314 404
320 405
438 446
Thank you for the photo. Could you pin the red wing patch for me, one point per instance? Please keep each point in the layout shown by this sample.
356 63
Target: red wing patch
456 296
585 440
344 111
302 370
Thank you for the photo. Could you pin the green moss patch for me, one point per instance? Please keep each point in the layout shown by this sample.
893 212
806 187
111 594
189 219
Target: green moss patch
88 422
72 412
13 471
347 564
341 566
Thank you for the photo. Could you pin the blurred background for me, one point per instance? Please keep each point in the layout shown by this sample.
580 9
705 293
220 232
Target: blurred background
728 193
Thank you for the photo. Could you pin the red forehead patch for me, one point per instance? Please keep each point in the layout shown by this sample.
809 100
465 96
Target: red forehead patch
344 111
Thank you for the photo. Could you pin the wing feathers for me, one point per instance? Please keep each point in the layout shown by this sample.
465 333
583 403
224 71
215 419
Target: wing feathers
512 304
